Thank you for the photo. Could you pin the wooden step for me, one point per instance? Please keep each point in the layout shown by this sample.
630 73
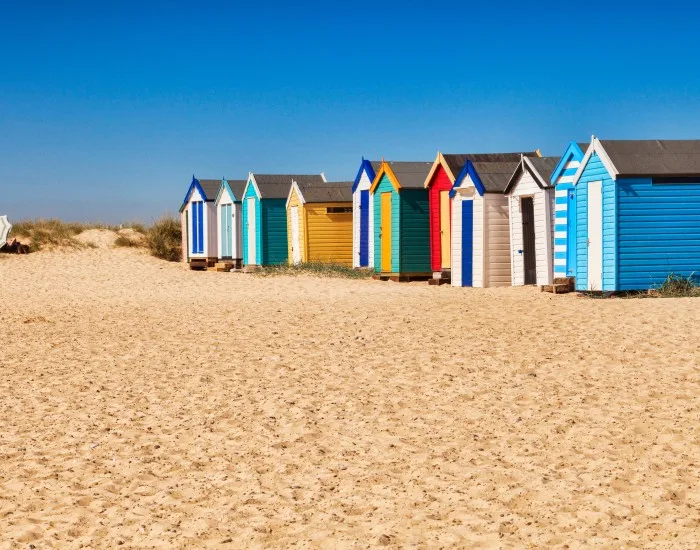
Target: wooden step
556 288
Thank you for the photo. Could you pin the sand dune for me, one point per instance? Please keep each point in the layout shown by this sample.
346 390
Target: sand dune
148 406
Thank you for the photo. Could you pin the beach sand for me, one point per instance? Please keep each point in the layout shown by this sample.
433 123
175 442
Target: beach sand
147 406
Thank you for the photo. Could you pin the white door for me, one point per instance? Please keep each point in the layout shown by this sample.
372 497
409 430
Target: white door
595 235
250 214
296 252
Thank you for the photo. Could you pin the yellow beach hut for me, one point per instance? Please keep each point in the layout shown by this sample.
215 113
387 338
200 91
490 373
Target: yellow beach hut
319 222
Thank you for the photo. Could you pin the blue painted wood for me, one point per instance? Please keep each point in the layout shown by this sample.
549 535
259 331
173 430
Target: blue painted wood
364 228
659 232
250 193
274 231
385 186
195 240
595 171
467 242
571 233
226 231
200 226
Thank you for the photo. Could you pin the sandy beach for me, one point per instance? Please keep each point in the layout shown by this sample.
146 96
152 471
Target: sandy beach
147 406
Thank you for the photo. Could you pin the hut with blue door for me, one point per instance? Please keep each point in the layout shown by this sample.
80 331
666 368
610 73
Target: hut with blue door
264 216
199 222
228 211
637 214
565 216
362 220
401 219
480 226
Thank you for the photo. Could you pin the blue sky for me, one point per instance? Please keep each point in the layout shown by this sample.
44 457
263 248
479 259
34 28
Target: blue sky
107 111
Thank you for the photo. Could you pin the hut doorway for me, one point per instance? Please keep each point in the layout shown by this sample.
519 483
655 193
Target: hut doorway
226 230
467 242
364 228
595 235
527 208
385 231
252 229
296 252
445 241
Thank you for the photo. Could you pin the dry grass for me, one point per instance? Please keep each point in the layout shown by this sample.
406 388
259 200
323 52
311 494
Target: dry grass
164 239
53 233
316 268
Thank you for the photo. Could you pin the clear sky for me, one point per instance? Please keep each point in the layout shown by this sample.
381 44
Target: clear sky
108 108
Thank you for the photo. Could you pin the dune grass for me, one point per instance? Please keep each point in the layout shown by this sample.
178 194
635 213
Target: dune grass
162 238
315 268
677 286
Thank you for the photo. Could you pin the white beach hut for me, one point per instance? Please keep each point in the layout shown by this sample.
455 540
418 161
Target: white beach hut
229 232
198 212
531 212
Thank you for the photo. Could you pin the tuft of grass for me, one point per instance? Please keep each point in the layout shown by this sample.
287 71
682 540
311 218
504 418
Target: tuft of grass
164 239
125 241
677 286
136 226
315 268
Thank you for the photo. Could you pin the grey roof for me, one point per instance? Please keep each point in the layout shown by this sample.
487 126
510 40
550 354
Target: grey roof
654 157
376 165
457 162
210 188
544 166
333 191
411 175
237 187
583 147
276 186
495 175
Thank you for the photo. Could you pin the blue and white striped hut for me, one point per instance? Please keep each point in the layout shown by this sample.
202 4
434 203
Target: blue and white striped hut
564 224
637 214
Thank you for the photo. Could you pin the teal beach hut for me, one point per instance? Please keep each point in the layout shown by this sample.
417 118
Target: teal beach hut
401 219
265 216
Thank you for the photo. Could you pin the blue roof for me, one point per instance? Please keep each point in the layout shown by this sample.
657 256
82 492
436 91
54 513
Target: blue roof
575 151
365 166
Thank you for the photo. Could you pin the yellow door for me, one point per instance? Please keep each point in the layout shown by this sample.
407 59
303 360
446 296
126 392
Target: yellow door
385 232
445 244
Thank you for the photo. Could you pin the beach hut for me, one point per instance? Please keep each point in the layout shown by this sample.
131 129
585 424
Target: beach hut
265 216
531 221
228 212
401 221
362 219
480 226
637 214
319 222
198 218
439 183
565 220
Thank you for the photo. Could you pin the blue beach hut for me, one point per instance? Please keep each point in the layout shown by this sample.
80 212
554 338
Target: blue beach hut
198 215
637 213
564 216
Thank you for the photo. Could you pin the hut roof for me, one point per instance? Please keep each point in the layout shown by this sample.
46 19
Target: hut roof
276 186
654 157
237 187
539 167
210 188
495 175
411 175
334 191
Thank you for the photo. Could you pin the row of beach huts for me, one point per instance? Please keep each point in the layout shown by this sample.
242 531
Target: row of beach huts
608 215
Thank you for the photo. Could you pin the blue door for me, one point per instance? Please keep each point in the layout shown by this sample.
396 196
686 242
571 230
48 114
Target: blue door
467 241
364 228
571 233
197 227
226 231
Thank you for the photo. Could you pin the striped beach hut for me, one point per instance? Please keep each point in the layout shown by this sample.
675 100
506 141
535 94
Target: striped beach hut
480 225
531 218
319 222
228 212
637 213
439 183
362 219
401 219
565 220
265 216
199 221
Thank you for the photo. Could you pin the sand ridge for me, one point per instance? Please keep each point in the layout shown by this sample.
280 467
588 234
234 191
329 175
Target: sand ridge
148 406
